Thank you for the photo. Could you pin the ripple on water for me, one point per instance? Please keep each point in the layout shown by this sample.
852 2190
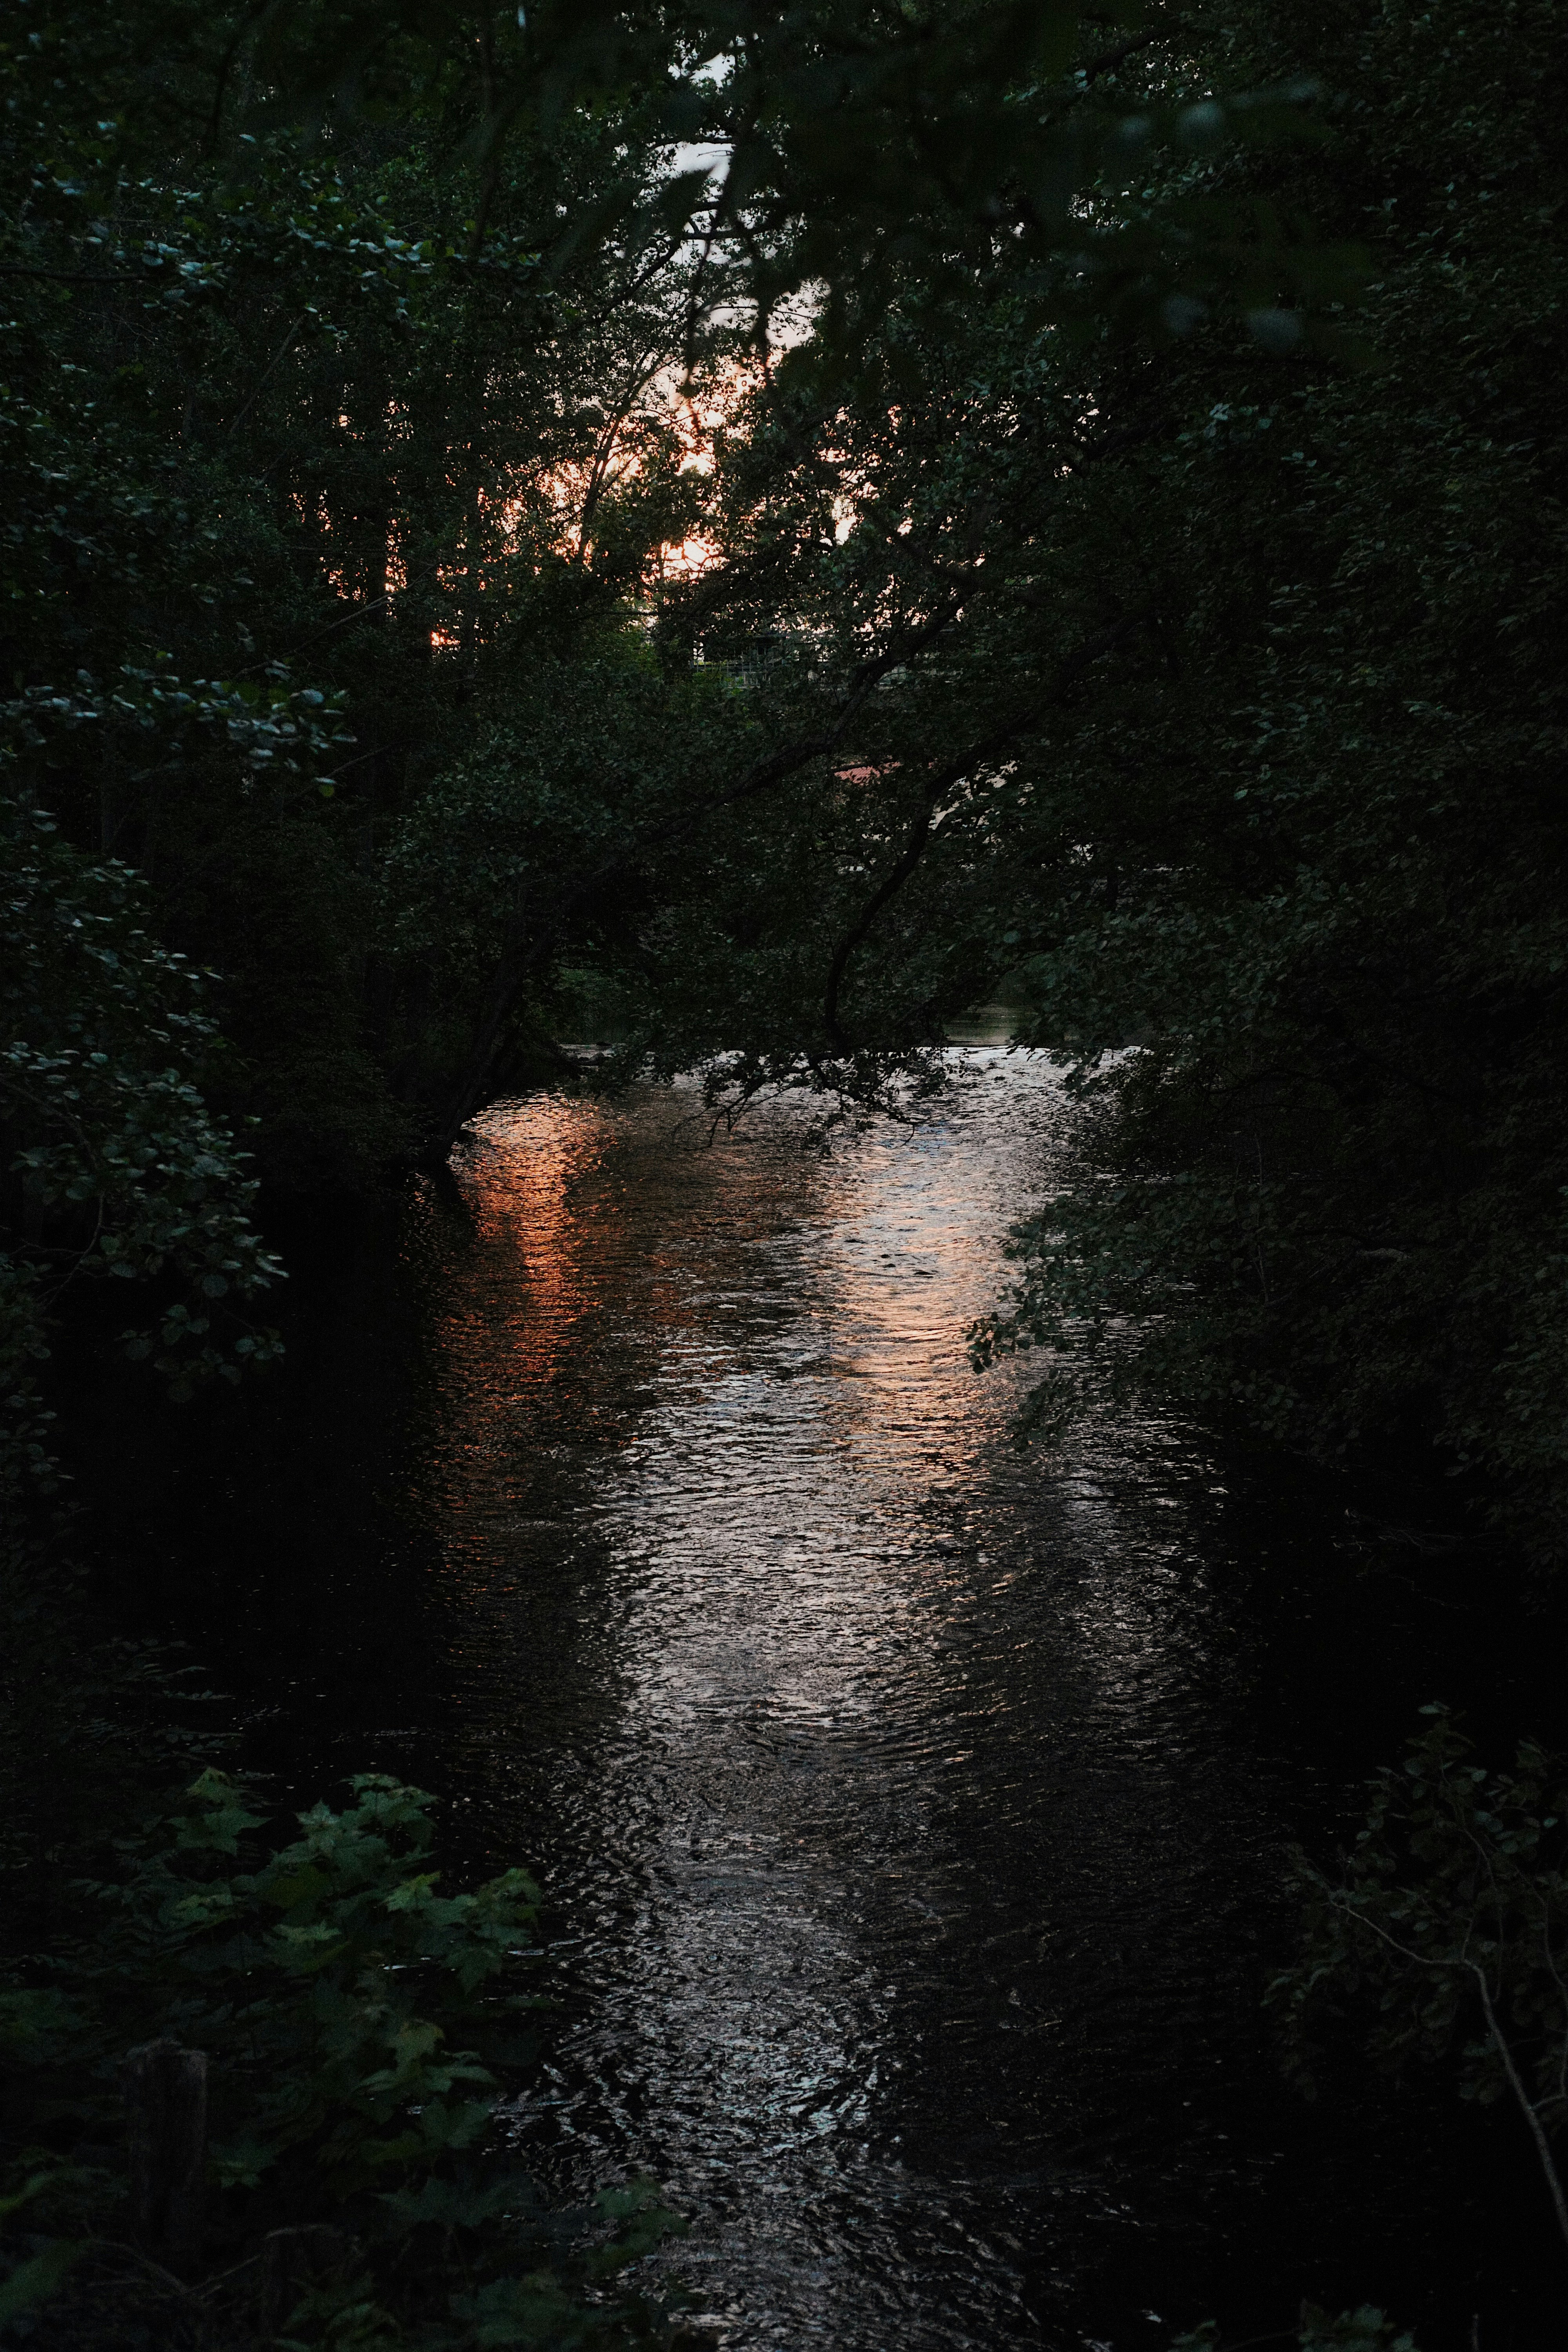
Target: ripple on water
905 1853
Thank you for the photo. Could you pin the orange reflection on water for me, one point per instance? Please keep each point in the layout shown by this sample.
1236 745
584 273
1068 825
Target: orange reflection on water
524 1279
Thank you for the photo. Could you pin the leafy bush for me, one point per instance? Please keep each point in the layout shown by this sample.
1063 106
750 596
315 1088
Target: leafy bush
114 1166
1448 1929
360 2029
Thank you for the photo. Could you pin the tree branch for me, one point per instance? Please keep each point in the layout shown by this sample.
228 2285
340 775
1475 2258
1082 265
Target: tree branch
1499 2042
936 787
1529 2111
528 941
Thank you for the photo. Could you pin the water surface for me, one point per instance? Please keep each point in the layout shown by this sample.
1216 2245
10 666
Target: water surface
912 1809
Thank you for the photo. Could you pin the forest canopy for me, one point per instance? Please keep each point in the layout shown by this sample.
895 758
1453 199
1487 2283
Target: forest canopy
763 527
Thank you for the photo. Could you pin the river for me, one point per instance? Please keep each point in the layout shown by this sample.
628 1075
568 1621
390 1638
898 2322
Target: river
912 1809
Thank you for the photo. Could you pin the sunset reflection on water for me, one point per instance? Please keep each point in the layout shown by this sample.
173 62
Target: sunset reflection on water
857 1750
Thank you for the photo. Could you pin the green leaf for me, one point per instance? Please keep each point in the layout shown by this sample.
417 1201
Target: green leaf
33 2281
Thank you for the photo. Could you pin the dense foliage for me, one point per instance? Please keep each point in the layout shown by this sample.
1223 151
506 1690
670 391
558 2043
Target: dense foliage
1446 1935
358 2027
1318 838
755 529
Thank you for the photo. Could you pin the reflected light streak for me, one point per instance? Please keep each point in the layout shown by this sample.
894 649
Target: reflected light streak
841 1732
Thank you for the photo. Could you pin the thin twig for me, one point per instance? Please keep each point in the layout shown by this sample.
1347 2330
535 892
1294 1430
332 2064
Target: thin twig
1531 2116
1421 1959
181 2287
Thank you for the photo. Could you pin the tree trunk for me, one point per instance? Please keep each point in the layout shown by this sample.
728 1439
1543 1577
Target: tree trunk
166 2093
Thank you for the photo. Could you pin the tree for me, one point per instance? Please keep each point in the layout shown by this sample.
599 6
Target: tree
1306 858
392 313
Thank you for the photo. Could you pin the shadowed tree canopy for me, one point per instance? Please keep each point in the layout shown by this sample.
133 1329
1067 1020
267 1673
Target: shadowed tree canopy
756 525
